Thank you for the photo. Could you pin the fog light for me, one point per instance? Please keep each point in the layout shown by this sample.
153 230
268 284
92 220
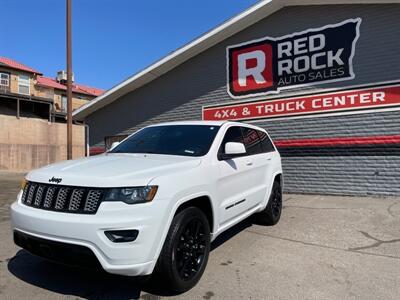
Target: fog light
122 236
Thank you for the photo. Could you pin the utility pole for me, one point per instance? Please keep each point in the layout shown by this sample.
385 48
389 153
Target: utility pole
69 80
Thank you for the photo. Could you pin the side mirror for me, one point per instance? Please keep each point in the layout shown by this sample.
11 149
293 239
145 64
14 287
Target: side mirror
232 149
113 145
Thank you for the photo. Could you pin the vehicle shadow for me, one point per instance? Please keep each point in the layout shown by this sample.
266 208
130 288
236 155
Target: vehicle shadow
94 284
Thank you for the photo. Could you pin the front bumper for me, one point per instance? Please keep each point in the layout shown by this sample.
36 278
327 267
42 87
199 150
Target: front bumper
132 258
69 254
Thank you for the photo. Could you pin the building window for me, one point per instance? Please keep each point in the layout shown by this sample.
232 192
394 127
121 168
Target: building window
24 84
4 79
64 103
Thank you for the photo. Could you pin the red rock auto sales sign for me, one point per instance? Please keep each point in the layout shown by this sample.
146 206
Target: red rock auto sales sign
356 99
310 57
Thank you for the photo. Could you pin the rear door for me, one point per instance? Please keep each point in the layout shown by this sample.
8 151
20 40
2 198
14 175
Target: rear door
269 152
259 161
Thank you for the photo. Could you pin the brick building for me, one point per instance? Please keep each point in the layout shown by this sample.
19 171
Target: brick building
32 116
24 91
323 77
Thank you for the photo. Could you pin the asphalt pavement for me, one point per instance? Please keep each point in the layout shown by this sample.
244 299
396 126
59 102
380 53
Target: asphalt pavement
325 247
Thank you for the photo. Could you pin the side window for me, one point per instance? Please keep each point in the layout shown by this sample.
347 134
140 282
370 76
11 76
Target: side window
23 84
64 103
233 134
251 141
266 143
4 79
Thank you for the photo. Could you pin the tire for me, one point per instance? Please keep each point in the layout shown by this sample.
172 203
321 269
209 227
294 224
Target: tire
184 255
272 213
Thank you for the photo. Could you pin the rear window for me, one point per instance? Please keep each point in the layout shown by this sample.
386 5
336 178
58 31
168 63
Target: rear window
266 143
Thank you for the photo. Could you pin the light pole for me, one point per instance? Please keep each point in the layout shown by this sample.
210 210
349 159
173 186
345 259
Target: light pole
69 80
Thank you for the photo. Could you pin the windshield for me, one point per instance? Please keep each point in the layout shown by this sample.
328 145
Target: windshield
186 140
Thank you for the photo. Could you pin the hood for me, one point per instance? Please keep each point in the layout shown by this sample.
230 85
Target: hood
112 170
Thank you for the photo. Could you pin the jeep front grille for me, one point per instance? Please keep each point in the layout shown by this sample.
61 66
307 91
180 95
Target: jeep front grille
69 199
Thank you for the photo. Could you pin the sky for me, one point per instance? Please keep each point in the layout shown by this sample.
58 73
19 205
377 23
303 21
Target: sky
112 39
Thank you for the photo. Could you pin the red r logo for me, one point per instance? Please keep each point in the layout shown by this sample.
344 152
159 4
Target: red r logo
251 68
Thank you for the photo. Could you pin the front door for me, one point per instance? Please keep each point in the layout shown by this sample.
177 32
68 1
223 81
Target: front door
238 180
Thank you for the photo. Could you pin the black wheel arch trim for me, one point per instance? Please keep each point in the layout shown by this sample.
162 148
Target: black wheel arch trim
204 203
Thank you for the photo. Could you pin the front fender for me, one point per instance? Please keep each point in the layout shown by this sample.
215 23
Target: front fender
175 203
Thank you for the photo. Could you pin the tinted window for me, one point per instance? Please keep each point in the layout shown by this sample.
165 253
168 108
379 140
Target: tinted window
186 140
233 134
266 143
251 141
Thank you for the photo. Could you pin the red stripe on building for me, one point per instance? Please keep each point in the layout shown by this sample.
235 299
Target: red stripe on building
340 141
319 142
96 150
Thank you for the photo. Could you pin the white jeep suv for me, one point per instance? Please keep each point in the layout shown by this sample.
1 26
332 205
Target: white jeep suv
152 203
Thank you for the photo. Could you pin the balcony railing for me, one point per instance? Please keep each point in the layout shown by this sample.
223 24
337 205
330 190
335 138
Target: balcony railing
37 92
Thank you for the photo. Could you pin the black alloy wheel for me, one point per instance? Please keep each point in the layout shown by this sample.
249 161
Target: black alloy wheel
276 205
184 255
190 249
272 213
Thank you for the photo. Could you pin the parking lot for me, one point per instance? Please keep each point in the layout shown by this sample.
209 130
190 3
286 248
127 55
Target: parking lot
325 247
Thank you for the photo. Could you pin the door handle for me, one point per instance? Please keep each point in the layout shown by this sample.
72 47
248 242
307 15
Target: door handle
249 162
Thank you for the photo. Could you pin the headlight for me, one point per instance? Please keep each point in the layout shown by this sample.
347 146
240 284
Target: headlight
132 195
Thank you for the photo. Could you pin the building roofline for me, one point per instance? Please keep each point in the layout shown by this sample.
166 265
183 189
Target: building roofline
77 88
232 26
10 63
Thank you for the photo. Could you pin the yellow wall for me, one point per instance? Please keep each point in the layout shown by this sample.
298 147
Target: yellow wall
76 102
44 92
